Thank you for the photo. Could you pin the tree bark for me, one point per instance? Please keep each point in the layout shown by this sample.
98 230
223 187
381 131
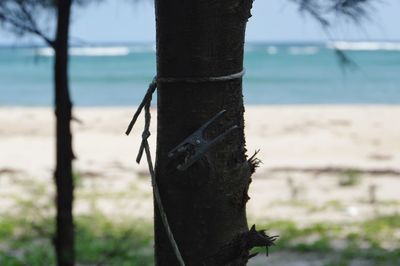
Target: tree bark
64 238
205 204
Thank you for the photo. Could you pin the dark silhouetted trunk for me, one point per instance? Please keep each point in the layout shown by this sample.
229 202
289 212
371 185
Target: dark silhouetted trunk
205 204
64 238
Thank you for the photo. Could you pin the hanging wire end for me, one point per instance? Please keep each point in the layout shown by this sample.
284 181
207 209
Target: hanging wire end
146 99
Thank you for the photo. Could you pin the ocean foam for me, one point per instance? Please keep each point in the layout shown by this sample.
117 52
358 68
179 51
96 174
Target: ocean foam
272 50
45 52
89 51
303 50
365 46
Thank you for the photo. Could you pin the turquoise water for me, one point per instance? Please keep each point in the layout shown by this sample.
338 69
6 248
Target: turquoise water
276 74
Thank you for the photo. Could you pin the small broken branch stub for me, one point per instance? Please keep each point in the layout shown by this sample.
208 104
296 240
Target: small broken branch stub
259 238
239 248
254 162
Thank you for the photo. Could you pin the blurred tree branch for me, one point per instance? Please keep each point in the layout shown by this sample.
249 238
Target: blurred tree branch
324 11
24 16
17 16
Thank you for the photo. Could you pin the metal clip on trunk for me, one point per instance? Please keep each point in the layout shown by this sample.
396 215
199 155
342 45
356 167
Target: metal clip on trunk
196 145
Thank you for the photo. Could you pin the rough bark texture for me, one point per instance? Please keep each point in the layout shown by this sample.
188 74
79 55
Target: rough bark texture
64 238
205 204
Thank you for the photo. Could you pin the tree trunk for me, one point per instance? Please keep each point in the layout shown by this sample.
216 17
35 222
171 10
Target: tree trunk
64 238
205 204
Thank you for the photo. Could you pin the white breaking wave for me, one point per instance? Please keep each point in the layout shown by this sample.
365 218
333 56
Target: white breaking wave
303 50
45 52
272 50
89 51
365 46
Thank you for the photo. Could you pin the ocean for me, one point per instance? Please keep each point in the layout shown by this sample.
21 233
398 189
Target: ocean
276 73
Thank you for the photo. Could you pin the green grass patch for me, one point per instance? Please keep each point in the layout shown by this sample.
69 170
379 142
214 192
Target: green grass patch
101 239
25 238
98 239
376 240
349 178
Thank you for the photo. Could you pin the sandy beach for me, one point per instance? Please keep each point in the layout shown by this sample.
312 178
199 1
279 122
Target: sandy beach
320 163
366 137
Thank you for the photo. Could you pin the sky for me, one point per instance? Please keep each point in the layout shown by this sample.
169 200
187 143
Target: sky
116 21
